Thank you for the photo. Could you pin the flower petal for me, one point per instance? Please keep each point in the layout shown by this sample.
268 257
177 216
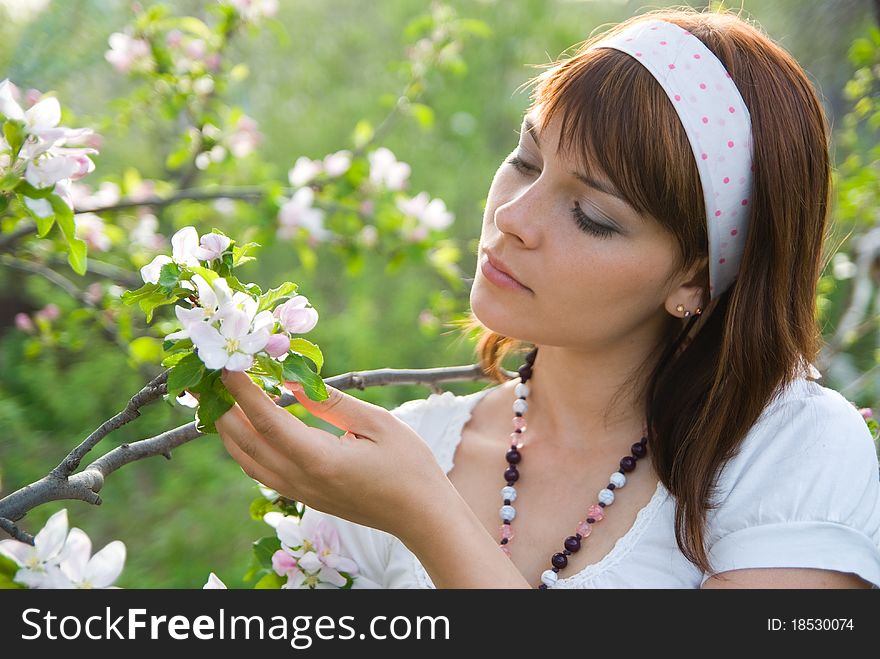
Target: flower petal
50 540
239 361
213 582
75 556
105 566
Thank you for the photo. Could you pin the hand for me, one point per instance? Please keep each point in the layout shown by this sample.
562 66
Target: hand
380 473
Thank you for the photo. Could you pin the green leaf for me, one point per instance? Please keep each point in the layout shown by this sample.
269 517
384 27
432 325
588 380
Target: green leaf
271 297
214 401
260 507
130 297
28 190
44 224
197 27
264 548
169 275
270 581
296 369
172 360
149 303
270 367
176 346
423 114
15 134
310 350
239 253
64 216
186 373
145 350
8 567
363 133
209 275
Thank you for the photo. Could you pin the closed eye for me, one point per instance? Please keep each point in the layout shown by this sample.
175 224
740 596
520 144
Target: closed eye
586 223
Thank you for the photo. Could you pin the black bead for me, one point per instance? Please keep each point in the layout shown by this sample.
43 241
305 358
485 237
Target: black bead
511 475
511 483
559 560
573 543
590 520
555 569
505 521
643 440
543 586
627 463
638 449
602 503
504 541
525 372
513 456
518 413
507 502
611 486
566 552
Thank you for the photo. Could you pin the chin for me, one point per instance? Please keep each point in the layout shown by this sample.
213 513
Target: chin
497 311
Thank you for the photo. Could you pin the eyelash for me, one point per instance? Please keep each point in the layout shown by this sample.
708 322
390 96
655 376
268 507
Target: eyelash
583 221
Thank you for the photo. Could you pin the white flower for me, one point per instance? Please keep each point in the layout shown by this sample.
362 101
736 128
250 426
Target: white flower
336 164
211 246
35 562
430 213
82 570
211 298
241 335
213 582
385 169
184 244
303 171
253 10
314 546
295 316
126 52
298 211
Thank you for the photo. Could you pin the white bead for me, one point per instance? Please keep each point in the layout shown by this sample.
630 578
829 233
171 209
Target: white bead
507 512
508 492
618 479
606 496
549 578
519 405
522 390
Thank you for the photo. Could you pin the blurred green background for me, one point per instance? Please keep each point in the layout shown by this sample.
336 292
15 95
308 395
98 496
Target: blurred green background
310 83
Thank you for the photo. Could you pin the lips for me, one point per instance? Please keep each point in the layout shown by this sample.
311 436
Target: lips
500 265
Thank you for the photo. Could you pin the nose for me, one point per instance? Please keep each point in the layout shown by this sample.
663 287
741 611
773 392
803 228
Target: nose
519 217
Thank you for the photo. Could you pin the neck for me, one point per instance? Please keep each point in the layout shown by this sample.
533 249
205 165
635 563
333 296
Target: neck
574 399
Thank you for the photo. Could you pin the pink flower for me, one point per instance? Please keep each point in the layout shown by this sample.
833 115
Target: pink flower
295 316
278 345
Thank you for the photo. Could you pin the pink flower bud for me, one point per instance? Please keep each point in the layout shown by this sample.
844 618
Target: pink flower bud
295 316
277 345
24 322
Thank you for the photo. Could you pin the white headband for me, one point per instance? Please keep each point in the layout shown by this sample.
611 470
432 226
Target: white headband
718 127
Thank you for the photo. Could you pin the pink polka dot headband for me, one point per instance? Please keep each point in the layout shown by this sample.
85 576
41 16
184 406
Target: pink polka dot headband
718 126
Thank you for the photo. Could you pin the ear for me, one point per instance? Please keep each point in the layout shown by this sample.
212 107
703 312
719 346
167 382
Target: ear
691 291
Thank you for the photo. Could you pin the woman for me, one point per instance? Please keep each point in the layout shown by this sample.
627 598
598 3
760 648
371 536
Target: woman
656 238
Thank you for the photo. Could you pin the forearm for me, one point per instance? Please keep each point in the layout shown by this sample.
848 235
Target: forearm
456 550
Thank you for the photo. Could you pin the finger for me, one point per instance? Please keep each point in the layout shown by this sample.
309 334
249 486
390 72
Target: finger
253 469
274 423
344 411
234 426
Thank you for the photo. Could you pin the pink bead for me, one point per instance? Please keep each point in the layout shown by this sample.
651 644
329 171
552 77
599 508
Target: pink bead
506 532
519 423
596 512
584 529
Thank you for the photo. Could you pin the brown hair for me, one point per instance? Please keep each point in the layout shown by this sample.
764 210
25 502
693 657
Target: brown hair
705 390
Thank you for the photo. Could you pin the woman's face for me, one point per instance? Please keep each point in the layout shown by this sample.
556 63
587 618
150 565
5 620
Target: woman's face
596 272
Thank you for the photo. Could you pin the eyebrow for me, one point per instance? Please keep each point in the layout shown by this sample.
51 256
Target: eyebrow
601 186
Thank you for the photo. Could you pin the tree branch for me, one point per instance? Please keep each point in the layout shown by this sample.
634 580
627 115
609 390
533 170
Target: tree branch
61 483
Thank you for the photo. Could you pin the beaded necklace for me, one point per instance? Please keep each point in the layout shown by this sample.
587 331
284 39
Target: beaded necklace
595 513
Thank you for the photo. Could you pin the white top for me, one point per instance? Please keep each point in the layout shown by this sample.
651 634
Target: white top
804 491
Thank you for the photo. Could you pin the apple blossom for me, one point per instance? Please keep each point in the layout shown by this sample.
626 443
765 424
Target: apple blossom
336 164
82 570
278 345
127 52
35 562
386 170
295 317
183 252
430 213
244 138
254 10
24 323
298 211
232 346
303 171
90 228
211 246
214 582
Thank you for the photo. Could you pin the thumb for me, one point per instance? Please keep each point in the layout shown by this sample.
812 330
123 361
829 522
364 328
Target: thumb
343 410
